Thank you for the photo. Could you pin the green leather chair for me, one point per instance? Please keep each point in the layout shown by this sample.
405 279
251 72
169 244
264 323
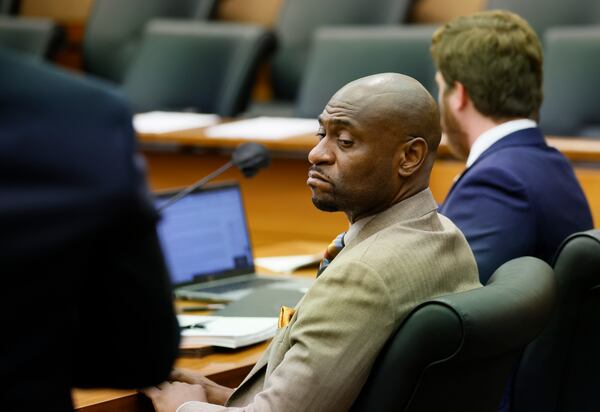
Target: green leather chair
544 14
299 19
571 86
115 27
559 370
35 36
455 353
340 55
203 67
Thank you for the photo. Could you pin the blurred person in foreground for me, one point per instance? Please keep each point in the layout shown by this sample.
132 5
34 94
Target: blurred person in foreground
85 298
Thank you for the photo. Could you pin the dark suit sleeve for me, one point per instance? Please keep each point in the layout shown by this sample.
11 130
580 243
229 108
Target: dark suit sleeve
129 337
128 332
492 208
85 297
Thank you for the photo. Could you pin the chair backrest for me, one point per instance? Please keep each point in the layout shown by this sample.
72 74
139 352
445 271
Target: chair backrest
456 352
35 36
544 14
298 20
8 6
340 55
571 88
114 29
559 370
205 67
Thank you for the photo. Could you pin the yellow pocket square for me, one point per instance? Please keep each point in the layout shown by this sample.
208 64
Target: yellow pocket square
285 316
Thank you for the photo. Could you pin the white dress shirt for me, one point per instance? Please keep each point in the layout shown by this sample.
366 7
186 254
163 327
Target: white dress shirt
491 136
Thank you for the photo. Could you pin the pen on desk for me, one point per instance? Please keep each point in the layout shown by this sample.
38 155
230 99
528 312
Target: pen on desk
210 306
199 325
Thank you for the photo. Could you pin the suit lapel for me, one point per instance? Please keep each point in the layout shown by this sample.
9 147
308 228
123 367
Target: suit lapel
261 364
455 182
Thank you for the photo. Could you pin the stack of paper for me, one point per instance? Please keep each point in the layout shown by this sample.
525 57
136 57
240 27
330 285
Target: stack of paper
264 128
228 332
165 122
288 264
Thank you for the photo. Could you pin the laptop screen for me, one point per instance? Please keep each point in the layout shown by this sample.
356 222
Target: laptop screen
204 235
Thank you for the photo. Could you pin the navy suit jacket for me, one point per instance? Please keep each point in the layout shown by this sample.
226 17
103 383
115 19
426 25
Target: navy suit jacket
85 297
519 198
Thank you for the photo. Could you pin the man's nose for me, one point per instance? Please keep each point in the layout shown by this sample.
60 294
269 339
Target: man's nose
321 153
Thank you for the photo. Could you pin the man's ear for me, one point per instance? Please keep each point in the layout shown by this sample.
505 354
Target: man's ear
458 96
413 154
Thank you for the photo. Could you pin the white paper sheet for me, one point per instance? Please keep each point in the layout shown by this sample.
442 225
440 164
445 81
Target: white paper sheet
287 264
229 332
165 122
264 128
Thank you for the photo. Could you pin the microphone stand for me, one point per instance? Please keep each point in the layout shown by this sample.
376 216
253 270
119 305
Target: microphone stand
248 157
196 185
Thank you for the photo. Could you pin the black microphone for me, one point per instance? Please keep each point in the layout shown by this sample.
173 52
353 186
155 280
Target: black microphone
249 158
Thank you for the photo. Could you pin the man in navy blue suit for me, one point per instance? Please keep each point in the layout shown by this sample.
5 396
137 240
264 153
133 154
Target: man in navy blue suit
517 196
85 297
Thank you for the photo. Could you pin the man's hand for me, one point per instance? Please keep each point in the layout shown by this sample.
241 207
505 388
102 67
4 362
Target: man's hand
168 396
215 393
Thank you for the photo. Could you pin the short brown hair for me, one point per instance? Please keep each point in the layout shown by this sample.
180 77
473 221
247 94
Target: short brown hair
497 56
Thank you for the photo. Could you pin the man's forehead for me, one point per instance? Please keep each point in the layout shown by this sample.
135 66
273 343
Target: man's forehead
336 119
341 110
352 113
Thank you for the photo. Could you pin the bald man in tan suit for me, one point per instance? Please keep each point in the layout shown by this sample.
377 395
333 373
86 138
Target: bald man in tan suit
377 141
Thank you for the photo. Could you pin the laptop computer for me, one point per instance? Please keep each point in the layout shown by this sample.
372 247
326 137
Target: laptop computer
207 246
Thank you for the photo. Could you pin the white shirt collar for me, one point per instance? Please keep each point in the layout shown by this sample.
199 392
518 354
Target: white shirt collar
491 136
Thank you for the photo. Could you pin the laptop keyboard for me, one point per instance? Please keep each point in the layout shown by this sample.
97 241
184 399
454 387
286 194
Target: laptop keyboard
243 284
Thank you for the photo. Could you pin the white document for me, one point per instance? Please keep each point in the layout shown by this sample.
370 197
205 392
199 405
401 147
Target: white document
228 332
264 128
287 264
165 122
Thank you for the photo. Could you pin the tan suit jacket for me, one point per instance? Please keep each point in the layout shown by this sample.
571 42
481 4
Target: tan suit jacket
391 263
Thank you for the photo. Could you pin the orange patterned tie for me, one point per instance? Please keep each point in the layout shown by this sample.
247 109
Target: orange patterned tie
331 252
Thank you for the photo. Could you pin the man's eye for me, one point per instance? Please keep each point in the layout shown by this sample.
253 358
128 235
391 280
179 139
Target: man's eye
320 134
345 142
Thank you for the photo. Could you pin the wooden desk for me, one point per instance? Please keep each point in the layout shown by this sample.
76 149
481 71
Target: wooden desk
226 367
280 198
576 149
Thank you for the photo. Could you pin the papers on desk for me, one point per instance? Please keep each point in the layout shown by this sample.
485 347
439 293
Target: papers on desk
165 122
264 128
228 332
288 264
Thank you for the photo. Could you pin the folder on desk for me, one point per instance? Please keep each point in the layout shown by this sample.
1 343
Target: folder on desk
263 302
228 332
